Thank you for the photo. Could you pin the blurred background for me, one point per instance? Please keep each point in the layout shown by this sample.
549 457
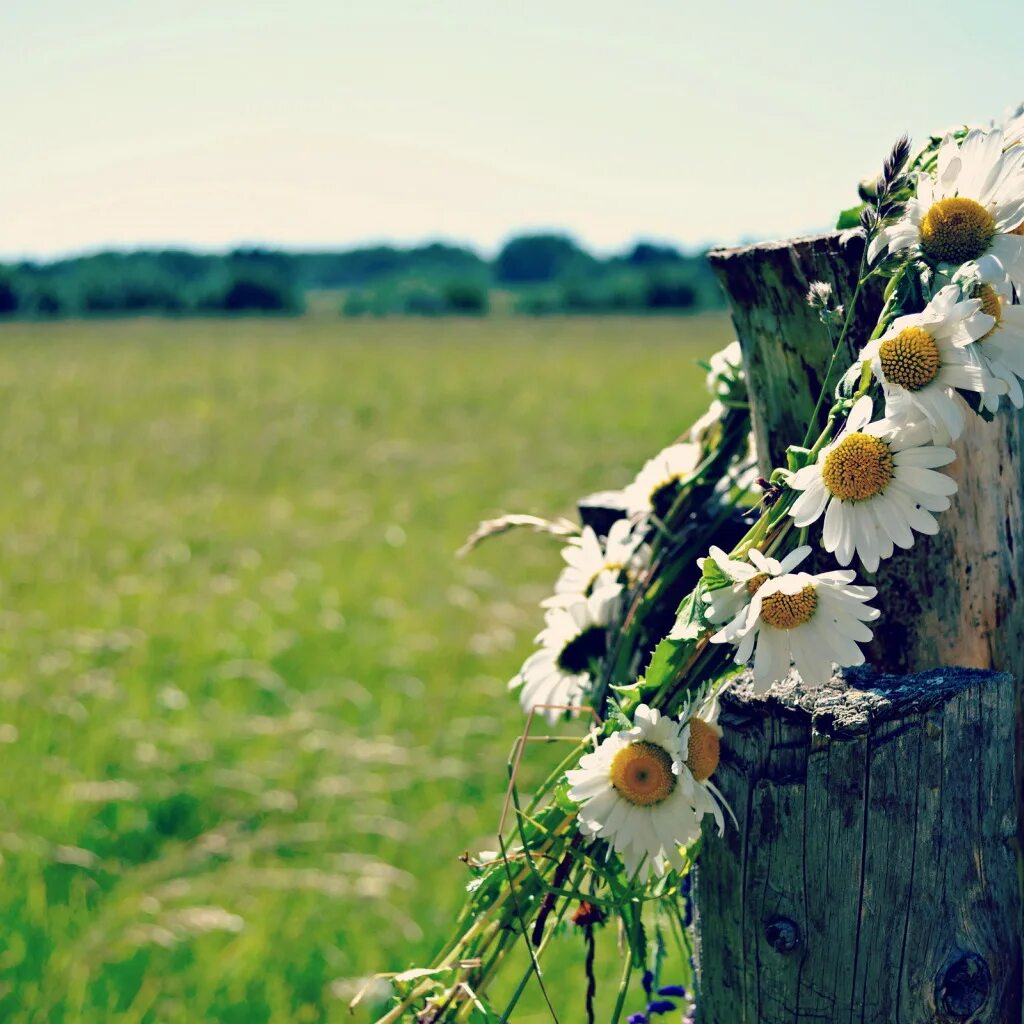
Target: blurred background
291 296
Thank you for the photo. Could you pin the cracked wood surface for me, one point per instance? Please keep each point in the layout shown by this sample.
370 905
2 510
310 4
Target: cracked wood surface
953 599
874 856
876 824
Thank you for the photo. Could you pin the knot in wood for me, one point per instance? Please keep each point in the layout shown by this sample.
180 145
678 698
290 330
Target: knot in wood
783 935
962 988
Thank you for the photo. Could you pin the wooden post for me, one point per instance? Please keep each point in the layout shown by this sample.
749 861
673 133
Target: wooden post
872 796
956 598
872 877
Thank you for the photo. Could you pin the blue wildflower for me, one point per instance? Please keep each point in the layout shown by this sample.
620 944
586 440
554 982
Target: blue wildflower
673 990
660 1006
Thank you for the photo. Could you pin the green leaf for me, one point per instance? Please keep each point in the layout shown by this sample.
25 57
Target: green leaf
419 972
713 576
562 797
667 661
617 716
797 457
849 218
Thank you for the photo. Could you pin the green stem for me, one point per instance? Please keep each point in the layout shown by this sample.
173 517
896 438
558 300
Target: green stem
620 1000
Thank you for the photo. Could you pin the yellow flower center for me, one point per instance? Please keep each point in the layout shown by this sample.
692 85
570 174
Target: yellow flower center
664 495
787 611
911 359
703 750
576 656
642 774
956 230
991 304
755 583
859 467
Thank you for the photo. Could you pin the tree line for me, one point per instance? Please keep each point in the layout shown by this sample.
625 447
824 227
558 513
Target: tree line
533 274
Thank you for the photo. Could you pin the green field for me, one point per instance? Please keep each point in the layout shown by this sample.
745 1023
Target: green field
251 707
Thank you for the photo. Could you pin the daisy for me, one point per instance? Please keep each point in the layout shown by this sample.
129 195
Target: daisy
923 358
724 603
808 620
701 431
645 789
970 211
591 565
1013 126
657 484
875 484
725 370
573 638
1001 350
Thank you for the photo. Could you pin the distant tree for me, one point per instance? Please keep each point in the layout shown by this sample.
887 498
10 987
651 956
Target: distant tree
668 292
357 303
537 259
251 293
645 254
420 298
466 297
8 293
47 302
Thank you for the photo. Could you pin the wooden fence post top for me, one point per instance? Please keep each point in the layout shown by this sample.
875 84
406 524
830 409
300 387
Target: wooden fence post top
859 699
872 875
852 240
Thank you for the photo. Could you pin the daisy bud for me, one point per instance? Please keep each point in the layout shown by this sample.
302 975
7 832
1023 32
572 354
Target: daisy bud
819 295
586 915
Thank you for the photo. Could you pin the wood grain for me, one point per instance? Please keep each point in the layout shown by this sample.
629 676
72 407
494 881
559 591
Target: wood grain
873 877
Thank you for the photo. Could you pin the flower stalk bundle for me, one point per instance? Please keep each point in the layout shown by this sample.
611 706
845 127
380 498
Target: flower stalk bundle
703 571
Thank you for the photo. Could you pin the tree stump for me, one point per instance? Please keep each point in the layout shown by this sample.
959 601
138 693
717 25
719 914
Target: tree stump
955 598
836 810
872 876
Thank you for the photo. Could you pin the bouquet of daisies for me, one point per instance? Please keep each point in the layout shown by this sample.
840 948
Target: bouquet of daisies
704 563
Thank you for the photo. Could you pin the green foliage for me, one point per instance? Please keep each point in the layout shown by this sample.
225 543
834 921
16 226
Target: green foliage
650 279
545 273
170 283
849 218
417 297
247 690
9 299
537 259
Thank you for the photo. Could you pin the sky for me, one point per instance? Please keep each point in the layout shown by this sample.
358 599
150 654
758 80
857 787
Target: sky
325 123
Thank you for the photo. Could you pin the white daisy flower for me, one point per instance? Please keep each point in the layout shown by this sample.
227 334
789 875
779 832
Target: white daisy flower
875 484
1001 350
970 211
657 484
591 565
740 479
810 621
726 370
725 603
923 358
558 673
702 429
645 790
1013 126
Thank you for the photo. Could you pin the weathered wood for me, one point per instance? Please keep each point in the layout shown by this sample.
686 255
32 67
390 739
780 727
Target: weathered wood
955 598
872 877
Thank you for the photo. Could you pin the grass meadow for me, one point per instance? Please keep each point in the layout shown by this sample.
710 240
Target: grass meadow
252 709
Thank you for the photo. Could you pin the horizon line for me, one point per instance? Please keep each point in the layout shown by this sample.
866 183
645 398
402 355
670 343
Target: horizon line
486 251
